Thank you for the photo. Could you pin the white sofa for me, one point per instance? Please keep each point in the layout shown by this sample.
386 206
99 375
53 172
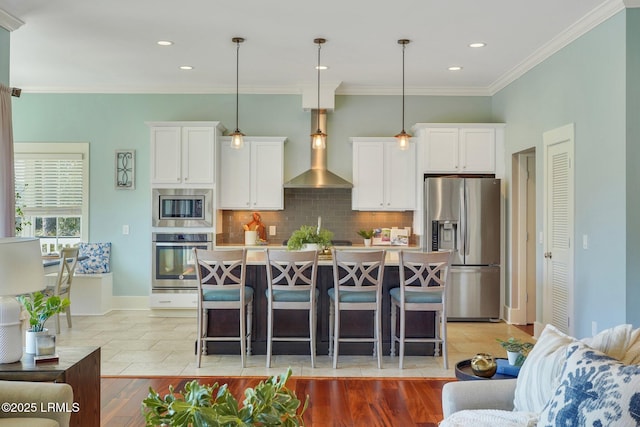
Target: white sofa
35 404
594 381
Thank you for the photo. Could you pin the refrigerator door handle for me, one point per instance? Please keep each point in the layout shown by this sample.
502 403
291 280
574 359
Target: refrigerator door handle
463 221
466 219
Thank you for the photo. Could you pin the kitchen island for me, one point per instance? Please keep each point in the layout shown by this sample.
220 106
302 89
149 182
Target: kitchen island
294 323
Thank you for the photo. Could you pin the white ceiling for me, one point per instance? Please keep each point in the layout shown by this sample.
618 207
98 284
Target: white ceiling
110 46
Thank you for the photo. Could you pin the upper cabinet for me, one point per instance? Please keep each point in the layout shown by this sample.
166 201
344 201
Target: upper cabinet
183 153
252 177
384 177
461 148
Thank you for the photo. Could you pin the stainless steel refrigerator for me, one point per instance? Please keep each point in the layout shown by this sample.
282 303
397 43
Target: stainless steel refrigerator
463 214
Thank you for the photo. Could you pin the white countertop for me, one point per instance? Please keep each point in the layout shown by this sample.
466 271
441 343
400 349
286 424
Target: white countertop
256 253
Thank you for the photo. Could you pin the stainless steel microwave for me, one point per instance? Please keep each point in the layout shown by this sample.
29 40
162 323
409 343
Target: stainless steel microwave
182 207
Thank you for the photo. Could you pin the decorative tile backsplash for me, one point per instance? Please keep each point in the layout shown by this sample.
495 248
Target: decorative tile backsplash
302 206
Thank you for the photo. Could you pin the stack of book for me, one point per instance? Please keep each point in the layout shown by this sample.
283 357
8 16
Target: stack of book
504 368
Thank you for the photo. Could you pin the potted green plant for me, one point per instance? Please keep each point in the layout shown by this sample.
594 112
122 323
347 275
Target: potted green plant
309 235
367 235
517 350
40 308
270 403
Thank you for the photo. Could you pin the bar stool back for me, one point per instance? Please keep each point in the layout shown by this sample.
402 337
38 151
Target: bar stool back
423 280
357 285
221 285
291 285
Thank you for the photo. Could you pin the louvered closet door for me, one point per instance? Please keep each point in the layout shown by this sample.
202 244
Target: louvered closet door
559 218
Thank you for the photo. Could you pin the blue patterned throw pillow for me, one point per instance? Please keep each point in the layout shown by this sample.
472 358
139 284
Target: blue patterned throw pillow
98 254
594 390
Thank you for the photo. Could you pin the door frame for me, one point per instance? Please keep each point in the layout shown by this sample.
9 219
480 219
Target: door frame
517 304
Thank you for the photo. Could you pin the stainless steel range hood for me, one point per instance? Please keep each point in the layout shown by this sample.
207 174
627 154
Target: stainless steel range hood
318 176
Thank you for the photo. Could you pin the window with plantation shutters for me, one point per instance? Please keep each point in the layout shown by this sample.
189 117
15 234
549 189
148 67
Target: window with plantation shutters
51 181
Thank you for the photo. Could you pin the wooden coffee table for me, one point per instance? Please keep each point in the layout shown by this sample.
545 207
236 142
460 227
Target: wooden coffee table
77 366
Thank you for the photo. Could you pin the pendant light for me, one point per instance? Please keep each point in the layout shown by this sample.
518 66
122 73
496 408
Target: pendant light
403 137
318 139
237 140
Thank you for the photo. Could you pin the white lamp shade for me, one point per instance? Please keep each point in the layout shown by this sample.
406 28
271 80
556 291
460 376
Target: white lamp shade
21 268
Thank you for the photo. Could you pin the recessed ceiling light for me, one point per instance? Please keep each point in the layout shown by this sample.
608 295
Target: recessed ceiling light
478 44
322 67
186 67
455 68
164 42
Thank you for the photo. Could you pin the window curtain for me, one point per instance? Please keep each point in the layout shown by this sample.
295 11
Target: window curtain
7 190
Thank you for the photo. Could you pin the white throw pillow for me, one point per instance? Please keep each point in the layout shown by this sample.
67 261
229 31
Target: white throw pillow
538 377
540 374
594 390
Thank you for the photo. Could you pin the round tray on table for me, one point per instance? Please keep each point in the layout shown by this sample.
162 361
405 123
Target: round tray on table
464 373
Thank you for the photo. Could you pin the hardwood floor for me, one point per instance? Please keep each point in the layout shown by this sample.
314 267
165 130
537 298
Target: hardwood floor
333 401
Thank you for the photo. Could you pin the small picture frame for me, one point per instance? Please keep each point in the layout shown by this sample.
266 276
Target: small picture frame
125 169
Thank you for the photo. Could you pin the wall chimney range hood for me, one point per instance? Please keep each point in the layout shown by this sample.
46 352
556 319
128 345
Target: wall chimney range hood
318 176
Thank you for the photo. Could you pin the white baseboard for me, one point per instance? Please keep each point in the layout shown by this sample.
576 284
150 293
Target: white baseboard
515 316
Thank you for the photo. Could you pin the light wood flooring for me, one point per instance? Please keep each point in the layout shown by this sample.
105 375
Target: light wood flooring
135 344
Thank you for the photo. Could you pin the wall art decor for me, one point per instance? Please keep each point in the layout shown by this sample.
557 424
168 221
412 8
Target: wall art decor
126 169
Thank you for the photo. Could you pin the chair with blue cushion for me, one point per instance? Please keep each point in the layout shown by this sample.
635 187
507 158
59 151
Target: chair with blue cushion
291 285
423 280
221 286
357 285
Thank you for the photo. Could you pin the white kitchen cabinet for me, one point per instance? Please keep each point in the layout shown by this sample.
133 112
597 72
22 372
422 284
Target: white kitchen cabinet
253 176
183 153
459 150
456 148
384 177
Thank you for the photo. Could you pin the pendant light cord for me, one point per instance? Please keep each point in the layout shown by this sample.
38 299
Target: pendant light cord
319 47
403 47
237 78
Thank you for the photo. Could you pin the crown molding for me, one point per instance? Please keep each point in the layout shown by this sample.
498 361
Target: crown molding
266 90
346 89
9 22
632 3
580 27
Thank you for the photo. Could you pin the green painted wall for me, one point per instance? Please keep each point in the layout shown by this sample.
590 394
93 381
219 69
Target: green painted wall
110 122
632 169
584 83
4 56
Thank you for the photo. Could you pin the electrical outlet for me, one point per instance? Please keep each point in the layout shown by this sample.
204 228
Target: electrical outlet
125 229
272 230
585 241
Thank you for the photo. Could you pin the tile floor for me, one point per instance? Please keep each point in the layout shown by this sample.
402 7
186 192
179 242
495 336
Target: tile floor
135 344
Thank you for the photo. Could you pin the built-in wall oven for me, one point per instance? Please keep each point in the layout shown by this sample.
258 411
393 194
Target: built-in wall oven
173 261
182 207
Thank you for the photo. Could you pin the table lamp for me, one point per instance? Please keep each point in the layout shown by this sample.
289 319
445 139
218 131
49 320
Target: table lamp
21 272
